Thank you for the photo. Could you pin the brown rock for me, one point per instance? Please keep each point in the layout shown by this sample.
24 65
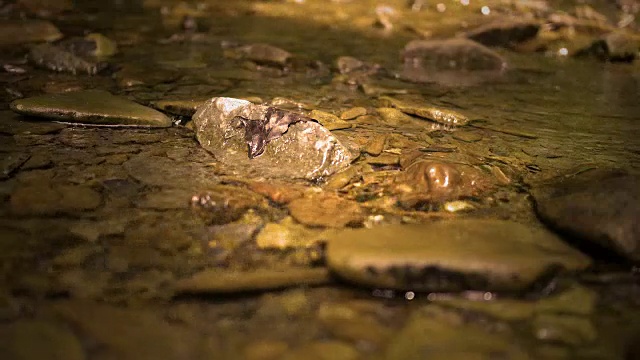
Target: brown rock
325 210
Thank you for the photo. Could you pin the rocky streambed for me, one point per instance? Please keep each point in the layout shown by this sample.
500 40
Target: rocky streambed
319 179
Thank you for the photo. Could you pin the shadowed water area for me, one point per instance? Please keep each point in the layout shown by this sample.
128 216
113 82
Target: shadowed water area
319 180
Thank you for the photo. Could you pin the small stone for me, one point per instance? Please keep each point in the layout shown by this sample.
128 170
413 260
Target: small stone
53 200
467 136
450 256
261 54
37 339
504 32
348 64
439 115
222 204
104 46
90 107
14 32
376 145
326 210
223 282
328 120
394 116
576 300
353 113
600 207
279 193
286 235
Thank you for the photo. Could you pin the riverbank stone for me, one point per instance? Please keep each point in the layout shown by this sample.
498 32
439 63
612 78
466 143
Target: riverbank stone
450 256
597 207
90 107
302 149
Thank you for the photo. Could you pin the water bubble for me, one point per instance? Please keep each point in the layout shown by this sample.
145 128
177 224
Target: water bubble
409 295
464 2
441 7
485 10
563 52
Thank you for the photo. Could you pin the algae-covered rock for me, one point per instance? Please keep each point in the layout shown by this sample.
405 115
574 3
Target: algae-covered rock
90 107
283 147
450 256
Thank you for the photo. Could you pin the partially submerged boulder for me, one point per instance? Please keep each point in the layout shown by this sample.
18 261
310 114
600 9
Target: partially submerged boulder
268 142
455 61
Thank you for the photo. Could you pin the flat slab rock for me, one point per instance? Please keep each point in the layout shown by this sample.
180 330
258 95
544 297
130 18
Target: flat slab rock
599 207
490 255
90 107
306 150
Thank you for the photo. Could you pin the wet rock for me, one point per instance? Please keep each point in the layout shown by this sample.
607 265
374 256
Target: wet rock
222 204
439 115
279 193
166 200
450 256
12 125
287 234
260 53
103 46
265 350
353 113
10 163
575 300
385 159
324 350
14 32
53 199
326 210
223 282
90 107
467 136
566 329
349 321
178 107
597 207
394 116
503 309
376 145
37 339
504 32
306 150
329 121
151 338
450 62
349 65
232 235
443 334
58 59
161 171
425 181
617 46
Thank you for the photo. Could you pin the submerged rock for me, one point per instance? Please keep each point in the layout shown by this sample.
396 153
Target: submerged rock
450 62
616 47
504 32
260 53
90 107
450 256
597 207
439 115
58 59
281 143
13 32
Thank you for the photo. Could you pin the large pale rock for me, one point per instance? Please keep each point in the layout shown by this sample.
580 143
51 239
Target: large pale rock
305 150
450 256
